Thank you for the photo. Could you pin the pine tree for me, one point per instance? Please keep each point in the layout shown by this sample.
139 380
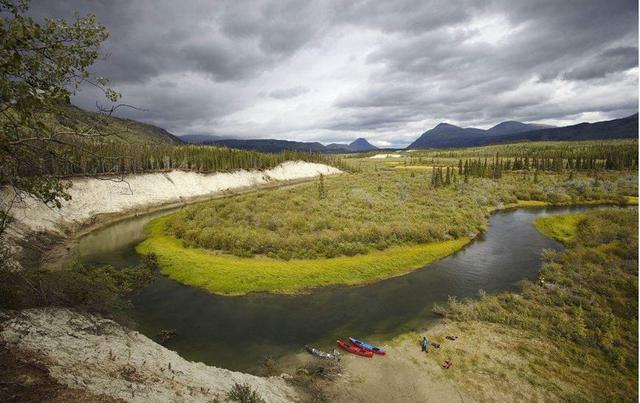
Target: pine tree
321 189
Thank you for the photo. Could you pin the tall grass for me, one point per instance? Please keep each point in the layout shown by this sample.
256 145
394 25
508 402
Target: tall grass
585 303
363 212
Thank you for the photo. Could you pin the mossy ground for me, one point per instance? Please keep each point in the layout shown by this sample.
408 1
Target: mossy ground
562 228
231 275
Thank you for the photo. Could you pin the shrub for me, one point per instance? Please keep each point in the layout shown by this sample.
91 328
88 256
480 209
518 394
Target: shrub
244 394
102 289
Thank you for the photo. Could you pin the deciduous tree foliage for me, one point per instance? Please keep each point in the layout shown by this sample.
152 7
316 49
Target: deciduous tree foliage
41 66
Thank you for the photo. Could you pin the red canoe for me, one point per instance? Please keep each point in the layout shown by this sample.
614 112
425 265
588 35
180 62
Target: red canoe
353 349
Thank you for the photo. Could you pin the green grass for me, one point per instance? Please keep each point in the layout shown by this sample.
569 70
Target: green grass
579 319
369 226
231 275
562 228
532 203
367 211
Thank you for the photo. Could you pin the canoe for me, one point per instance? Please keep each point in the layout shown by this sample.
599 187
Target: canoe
353 349
367 346
335 356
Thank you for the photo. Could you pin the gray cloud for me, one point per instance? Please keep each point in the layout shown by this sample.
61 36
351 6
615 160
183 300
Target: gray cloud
287 93
610 61
387 69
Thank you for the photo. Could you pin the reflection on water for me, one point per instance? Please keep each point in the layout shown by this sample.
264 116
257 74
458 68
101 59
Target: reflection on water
115 244
235 332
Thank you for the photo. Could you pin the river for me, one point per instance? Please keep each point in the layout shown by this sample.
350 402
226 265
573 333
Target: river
237 332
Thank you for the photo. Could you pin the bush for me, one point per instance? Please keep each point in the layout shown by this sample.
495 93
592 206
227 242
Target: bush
244 394
101 290
355 217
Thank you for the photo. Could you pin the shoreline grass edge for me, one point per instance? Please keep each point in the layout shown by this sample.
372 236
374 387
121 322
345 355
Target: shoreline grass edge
229 275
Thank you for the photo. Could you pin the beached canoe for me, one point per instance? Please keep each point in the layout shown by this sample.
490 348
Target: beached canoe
335 356
367 346
353 349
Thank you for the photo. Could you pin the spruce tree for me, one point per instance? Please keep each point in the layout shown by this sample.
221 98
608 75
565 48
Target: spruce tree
321 189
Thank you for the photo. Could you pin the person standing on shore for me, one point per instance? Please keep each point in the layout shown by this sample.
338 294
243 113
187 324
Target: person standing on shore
425 344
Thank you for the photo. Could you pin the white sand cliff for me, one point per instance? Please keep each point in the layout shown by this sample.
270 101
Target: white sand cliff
91 197
98 355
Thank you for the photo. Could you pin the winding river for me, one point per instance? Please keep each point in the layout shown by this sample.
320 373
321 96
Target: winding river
236 332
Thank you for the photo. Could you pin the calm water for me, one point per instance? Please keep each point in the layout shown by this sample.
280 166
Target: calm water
235 332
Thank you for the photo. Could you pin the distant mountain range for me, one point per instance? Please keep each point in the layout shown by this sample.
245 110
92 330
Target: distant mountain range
274 146
446 135
358 145
201 138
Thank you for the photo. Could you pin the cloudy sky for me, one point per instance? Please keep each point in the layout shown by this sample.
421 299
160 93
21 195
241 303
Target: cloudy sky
386 70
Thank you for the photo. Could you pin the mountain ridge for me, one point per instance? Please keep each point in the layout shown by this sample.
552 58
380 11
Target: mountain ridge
446 135
274 145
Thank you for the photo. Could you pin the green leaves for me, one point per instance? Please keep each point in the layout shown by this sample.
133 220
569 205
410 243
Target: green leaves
41 67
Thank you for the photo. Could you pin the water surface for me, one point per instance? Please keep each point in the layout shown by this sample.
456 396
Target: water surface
236 332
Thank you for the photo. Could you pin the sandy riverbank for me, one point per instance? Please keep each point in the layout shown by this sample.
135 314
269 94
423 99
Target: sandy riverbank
100 356
91 197
490 364
41 234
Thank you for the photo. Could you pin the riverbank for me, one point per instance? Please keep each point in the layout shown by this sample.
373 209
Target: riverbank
231 275
93 197
101 359
228 275
571 335
44 235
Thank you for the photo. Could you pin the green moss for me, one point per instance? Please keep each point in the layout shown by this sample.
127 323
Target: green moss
532 203
231 275
562 228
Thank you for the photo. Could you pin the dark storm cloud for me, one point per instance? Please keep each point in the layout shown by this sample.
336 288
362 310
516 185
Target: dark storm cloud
609 61
200 65
546 39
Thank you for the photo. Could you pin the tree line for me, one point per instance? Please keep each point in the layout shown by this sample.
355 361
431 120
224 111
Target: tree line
496 166
87 158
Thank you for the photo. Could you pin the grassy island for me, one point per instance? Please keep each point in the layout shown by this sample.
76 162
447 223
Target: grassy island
232 275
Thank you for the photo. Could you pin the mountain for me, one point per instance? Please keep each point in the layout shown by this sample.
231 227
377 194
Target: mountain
274 146
446 135
201 138
361 144
622 128
358 145
512 127
270 145
127 130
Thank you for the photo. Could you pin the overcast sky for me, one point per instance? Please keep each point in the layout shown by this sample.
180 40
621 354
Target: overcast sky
386 70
